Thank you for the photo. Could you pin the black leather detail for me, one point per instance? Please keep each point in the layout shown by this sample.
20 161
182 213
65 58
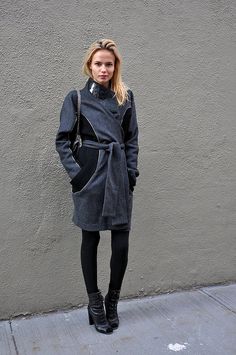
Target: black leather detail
87 159
132 181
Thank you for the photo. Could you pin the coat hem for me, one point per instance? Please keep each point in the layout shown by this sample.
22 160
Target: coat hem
99 227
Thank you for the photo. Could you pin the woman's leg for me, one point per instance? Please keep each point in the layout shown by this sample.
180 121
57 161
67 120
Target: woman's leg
118 263
88 253
96 313
119 257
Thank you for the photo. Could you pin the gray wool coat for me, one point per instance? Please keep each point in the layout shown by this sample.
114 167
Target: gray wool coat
105 201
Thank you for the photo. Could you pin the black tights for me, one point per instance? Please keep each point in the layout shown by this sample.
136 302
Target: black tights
118 262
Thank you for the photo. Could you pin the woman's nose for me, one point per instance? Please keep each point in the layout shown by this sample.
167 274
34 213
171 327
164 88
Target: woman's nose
103 68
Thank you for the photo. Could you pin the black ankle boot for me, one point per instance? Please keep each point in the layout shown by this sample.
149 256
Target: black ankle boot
111 301
96 313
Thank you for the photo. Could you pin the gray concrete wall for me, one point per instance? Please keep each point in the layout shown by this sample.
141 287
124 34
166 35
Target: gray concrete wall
180 61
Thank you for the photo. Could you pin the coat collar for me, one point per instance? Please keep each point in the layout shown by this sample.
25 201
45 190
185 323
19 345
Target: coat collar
99 90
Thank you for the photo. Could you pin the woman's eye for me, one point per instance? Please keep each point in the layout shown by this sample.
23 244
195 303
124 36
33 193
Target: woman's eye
100 64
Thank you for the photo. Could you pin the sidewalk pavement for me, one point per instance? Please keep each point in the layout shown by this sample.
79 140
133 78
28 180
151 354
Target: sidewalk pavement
199 322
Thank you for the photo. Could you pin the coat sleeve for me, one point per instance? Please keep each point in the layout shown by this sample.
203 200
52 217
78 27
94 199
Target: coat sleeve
131 143
68 119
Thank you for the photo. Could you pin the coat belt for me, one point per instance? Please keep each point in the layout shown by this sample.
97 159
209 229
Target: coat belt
114 207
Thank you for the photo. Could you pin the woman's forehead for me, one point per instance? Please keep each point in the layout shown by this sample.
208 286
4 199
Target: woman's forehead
104 55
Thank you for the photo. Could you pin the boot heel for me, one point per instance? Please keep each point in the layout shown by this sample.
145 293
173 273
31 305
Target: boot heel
91 321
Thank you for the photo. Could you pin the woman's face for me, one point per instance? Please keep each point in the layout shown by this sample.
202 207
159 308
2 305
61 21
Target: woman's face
102 66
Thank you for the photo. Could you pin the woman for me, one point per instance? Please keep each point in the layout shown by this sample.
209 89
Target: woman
103 173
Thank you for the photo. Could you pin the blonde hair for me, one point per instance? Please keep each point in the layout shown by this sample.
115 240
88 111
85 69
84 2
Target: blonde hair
117 85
